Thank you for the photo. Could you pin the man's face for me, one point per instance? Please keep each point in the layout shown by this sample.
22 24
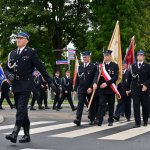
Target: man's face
57 74
68 74
86 59
124 66
21 42
107 57
140 57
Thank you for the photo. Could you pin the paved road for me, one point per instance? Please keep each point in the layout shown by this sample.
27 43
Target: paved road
52 130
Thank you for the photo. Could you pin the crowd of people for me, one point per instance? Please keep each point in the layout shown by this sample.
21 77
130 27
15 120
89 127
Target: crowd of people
95 88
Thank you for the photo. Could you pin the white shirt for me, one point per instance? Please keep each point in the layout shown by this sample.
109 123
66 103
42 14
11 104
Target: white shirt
21 49
140 63
86 64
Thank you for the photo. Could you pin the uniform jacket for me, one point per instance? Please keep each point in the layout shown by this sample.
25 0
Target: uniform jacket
85 78
57 81
66 84
25 64
122 87
112 70
137 77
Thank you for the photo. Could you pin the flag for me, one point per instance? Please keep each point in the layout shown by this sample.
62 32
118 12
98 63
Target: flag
2 76
130 57
115 46
75 71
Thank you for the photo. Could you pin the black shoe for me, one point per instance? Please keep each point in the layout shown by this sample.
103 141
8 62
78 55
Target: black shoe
13 137
144 124
110 124
136 126
75 108
54 107
32 108
77 122
46 107
116 118
41 107
128 119
122 114
25 139
91 123
99 123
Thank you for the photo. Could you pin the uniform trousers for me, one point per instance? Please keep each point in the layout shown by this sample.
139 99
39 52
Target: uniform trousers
82 99
103 99
69 97
3 96
141 100
21 101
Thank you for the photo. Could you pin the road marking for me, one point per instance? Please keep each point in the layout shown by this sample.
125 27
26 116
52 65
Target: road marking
124 135
32 124
49 128
34 149
88 130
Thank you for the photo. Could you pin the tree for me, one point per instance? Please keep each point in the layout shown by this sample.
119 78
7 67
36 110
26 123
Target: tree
51 24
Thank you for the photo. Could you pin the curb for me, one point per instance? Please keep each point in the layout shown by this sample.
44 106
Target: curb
1 118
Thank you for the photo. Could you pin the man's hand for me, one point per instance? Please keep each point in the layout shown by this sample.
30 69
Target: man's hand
66 91
11 77
53 87
74 93
103 85
94 86
128 92
144 88
89 90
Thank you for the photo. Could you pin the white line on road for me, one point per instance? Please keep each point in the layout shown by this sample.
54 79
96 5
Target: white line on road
88 130
124 135
32 124
34 149
49 128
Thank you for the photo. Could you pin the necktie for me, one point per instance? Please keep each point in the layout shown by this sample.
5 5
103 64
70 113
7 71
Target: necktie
139 65
18 52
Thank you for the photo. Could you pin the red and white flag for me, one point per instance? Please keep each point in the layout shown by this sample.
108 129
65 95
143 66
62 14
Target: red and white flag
130 57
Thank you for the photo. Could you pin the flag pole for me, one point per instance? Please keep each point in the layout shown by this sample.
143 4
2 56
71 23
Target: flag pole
92 96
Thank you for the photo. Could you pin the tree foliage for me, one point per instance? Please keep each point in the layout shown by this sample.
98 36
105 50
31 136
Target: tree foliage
52 24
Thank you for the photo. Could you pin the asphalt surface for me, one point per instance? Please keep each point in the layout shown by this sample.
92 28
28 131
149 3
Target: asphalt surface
54 130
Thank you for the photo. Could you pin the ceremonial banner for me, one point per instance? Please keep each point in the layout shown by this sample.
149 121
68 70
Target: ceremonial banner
2 76
130 57
75 71
115 46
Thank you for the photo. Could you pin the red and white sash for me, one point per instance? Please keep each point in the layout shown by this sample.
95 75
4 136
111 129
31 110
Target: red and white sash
107 78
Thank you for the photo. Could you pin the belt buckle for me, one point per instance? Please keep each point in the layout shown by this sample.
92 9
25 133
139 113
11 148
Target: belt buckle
17 77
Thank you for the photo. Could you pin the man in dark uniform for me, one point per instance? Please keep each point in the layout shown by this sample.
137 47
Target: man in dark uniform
5 94
67 89
106 94
84 84
35 90
43 92
139 85
19 69
124 104
57 83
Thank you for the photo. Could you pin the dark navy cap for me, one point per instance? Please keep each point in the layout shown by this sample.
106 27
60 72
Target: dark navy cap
123 62
107 52
140 52
86 53
23 34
